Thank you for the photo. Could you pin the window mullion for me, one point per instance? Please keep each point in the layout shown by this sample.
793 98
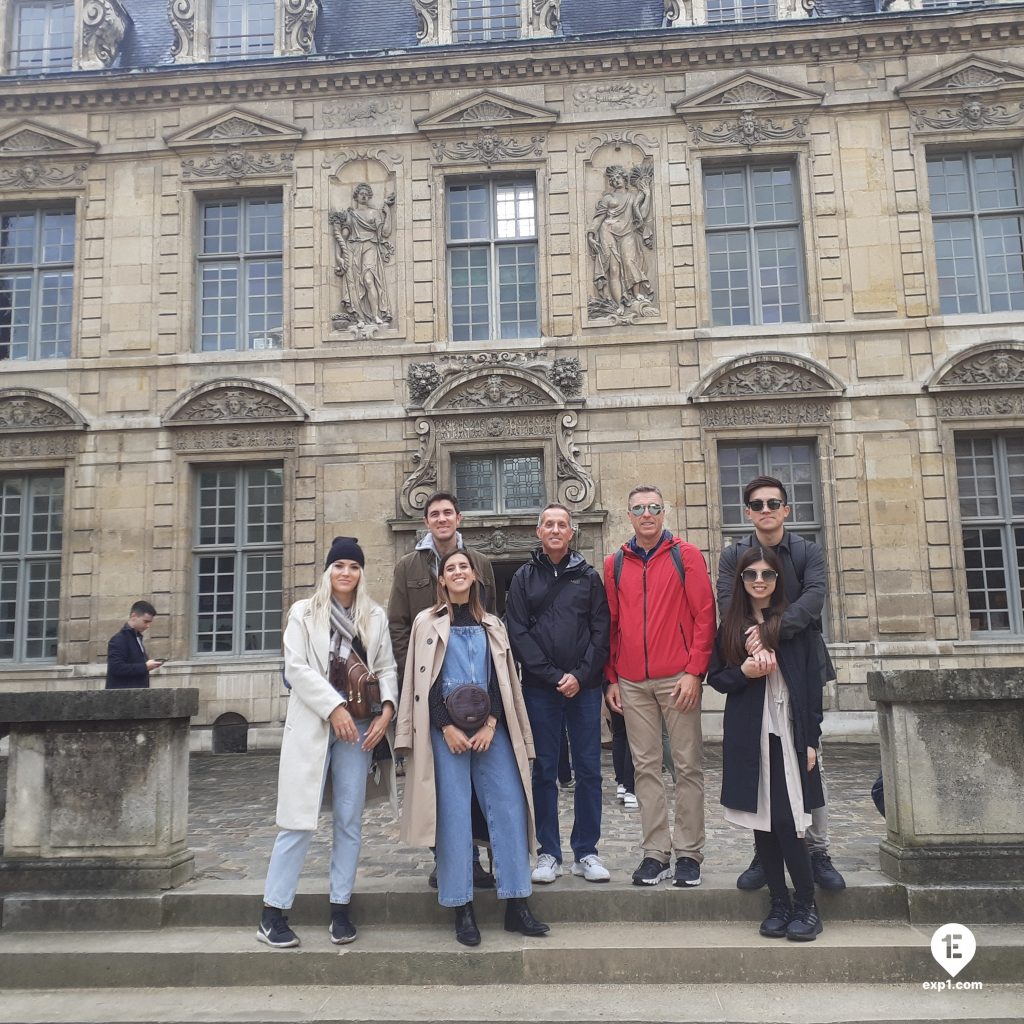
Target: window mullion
241 526
1011 575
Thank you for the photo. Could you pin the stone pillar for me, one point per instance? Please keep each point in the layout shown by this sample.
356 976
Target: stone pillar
97 790
953 765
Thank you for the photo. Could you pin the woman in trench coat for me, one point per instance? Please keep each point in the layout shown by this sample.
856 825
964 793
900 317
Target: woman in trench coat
457 643
321 738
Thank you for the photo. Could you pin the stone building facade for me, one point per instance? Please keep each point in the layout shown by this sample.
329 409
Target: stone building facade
273 271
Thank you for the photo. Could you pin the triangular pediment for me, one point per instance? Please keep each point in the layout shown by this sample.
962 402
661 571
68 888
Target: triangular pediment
973 75
487 109
30 139
748 91
232 127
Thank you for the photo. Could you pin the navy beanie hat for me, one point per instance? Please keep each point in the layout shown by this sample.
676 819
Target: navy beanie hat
345 547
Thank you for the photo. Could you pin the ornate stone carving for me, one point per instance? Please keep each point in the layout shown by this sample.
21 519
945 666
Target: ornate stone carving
385 113
764 378
25 412
235 128
742 414
496 391
236 439
502 542
236 163
363 249
575 485
674 13
227 404
476 428
39 446
617 140
974 78
103 26
488 148
424 379
28 141
487 110
545 16
972 115
35 174
620 234
426 11
617 95
749 130
300 25
981 406
750 92
567 375
1004 366
182 15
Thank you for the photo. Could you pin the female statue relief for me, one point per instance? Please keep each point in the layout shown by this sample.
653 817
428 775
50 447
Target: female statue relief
361 234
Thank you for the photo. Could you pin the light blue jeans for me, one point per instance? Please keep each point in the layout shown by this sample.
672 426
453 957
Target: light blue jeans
499 790
349 765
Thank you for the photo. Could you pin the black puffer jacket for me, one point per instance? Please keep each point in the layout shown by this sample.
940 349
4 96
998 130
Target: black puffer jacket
571 634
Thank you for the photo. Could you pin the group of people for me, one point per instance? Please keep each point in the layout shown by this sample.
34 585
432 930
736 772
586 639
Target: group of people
480 707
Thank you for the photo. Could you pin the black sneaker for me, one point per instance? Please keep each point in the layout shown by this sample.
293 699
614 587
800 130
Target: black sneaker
342 930
274 930
687 873
825 875
805 925
650 872
775 924
482 878
753 878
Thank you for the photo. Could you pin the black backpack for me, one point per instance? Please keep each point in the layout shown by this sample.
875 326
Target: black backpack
677 561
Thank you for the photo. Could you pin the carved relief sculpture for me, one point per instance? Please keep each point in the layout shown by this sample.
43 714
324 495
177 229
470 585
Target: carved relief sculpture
34 174
103 26
182 15
300 25
748 130
972 114
237 164
544 17
620 235
617 95
362 236
1001 367
488 148
426 11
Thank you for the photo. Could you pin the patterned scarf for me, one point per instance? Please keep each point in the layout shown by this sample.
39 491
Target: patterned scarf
343 631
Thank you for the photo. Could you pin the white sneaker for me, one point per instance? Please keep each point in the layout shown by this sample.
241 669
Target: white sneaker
591 868
620 792
547 869
630 803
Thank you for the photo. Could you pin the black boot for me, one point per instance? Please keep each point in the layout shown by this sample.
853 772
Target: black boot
775 924
466 930
806 924
519 919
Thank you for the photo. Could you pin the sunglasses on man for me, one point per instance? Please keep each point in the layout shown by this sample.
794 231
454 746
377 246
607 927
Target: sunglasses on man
654 508
758 504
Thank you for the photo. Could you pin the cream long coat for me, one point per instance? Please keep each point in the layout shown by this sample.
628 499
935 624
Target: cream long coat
307 731
427 645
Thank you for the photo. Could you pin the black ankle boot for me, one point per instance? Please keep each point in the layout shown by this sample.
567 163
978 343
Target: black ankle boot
806 925
775 924
466 930
519 919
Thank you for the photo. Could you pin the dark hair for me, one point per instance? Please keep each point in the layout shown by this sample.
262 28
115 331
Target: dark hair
441 496
739 615
142 608
640 488
764 481
476 605
558 506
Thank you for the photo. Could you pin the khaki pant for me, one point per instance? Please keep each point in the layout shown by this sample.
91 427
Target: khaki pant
644 705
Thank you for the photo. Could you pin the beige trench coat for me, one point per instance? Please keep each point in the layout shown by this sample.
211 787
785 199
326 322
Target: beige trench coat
307 731
427 646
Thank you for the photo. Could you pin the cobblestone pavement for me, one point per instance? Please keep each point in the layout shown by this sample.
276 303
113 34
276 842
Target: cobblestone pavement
232 828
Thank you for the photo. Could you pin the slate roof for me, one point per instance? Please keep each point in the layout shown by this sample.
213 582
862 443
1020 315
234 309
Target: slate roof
381 26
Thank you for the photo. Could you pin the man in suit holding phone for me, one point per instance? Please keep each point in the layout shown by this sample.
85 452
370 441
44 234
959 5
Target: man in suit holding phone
128 665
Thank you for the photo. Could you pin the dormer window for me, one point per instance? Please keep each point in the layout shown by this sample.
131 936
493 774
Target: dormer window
483 21
242 28
721 12
43 35
475 21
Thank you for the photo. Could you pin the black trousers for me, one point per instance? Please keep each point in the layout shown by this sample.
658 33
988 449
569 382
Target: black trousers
782 846
622 759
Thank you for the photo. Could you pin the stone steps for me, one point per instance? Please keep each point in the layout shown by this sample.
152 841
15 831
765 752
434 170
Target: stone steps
536 1004
697 953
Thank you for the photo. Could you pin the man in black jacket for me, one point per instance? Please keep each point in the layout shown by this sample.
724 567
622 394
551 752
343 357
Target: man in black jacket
803 567
558 624
128 665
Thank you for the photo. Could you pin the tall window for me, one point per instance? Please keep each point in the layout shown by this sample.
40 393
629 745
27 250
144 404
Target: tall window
990 475
242 28
240 275
752 218
37 252
31 526
238 558
477 20
978 221
792 462
492 260
499 483
723 11
43 35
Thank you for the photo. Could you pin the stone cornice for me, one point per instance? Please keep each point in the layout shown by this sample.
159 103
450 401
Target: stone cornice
732 48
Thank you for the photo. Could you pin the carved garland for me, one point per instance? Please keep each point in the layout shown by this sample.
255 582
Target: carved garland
35 174
237 163
488 148
424 379
972 115
31 427
997 374
749 130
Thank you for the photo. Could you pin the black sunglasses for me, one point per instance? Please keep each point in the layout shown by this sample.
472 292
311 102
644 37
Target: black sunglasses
758 504
753 575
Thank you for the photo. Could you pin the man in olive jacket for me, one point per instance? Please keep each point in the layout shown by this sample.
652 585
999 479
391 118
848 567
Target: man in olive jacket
558 625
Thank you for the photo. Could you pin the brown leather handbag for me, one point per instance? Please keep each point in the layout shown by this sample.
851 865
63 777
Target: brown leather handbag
353 679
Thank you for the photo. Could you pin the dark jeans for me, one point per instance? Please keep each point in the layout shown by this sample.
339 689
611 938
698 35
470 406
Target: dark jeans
550 713
564 760
622 759
782 845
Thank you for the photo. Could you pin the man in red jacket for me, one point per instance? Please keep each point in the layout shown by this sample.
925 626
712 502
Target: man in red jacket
663 629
